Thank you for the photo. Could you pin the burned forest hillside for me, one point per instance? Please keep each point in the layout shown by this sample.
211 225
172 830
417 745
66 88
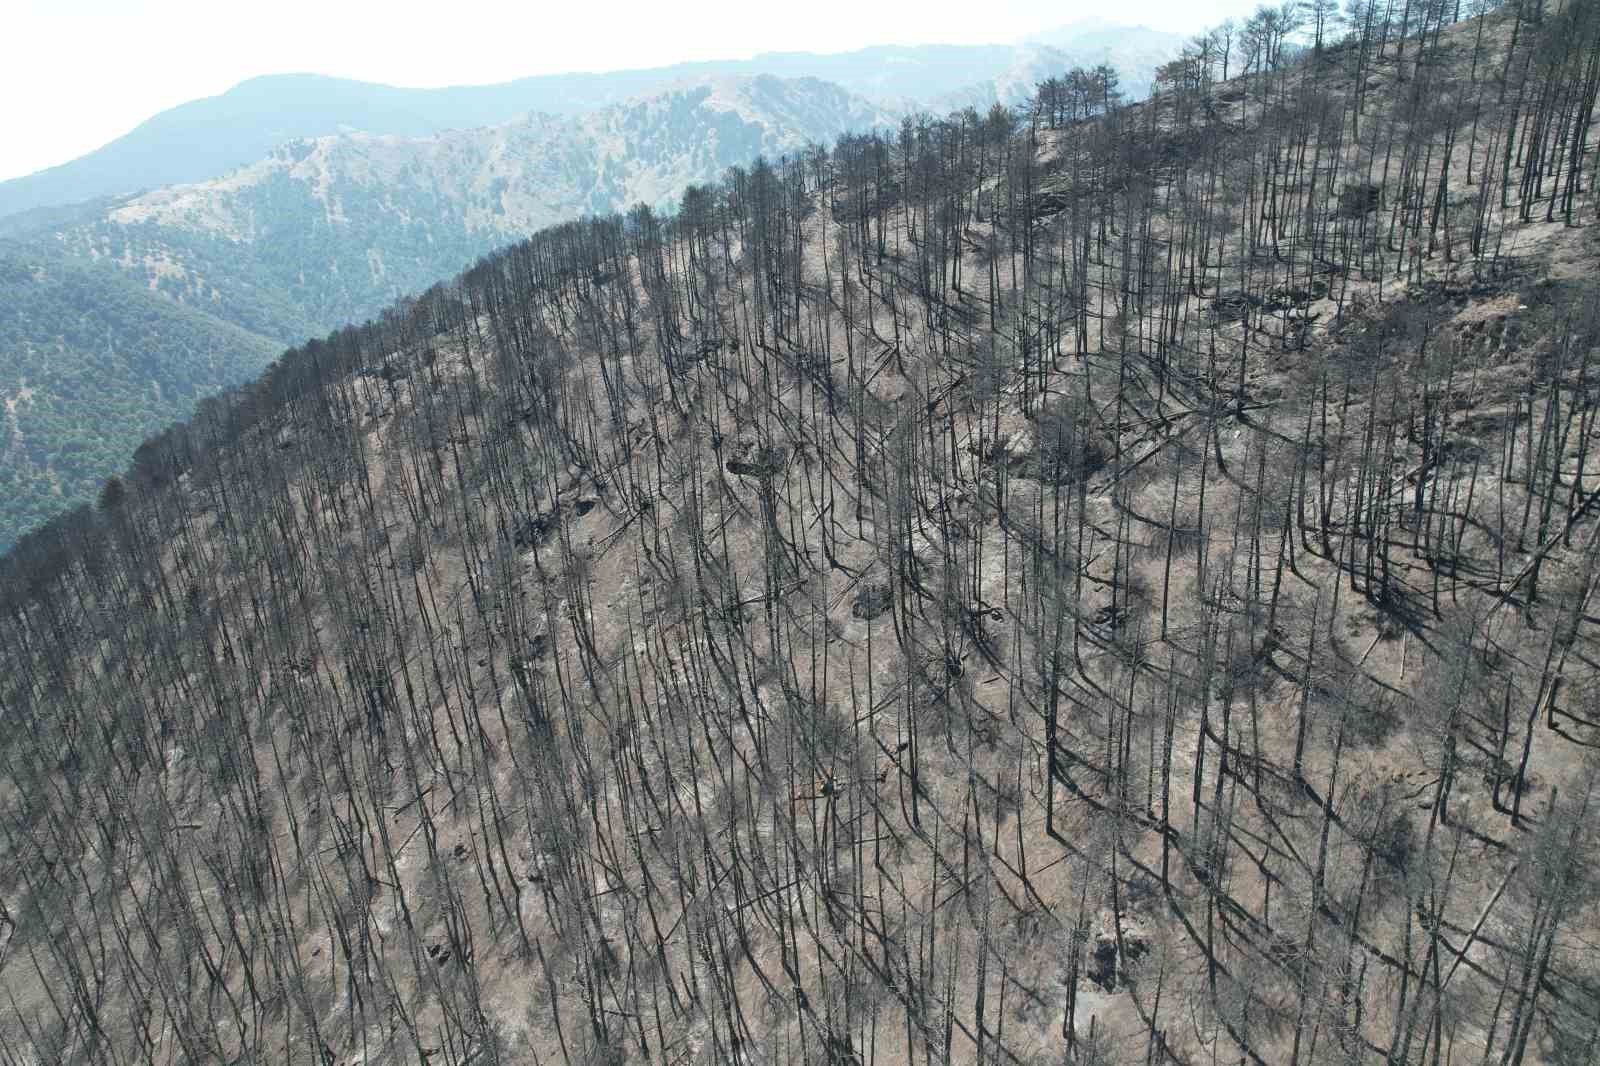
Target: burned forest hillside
1107 583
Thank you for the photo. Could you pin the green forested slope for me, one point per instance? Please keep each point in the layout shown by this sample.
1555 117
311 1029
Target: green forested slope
90 365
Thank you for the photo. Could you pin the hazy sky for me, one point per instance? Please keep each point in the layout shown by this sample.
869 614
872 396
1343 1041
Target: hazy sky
75 74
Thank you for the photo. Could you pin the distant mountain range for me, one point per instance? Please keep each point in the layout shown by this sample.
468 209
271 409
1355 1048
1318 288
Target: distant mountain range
182 257
205 138
336 227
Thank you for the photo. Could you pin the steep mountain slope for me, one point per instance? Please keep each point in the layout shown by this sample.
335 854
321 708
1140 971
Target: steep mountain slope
330 231
1125 597
202 139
